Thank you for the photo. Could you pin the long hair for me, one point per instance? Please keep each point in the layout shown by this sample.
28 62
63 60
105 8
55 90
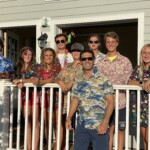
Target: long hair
43 53
142 64
21 62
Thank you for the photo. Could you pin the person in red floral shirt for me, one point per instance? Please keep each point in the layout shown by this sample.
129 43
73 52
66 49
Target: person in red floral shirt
46 72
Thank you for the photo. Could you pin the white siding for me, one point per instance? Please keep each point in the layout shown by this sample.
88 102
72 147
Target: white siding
14 10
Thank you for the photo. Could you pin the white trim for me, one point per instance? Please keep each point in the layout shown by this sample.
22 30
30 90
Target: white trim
21 23
55 22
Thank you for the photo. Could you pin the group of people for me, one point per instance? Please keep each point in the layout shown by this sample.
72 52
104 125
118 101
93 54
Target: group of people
90 76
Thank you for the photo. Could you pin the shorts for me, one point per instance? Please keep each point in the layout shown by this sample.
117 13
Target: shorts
47 98
121 119
30 100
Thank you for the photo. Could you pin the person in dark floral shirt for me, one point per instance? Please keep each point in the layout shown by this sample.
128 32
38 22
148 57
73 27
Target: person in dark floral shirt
25 72
141 76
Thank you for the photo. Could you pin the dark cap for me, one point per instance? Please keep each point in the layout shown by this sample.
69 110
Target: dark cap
77 47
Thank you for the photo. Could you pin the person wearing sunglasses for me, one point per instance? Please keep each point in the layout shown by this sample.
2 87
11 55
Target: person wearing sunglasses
118 69
62 52
94 43
92 95
68 74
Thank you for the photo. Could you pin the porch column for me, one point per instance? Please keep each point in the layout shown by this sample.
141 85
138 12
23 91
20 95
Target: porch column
4 114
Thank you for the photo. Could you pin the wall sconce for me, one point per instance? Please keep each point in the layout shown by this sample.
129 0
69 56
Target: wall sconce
42 40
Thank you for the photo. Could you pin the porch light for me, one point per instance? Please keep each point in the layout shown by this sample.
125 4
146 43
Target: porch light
42 40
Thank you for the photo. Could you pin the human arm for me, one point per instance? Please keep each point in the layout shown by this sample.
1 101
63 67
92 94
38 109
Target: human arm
63 86
127 71
135 79
146 85
102 128
73 108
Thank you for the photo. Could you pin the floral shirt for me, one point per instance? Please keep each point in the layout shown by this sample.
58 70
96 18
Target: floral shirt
68 73
91 94
42 74
98 57
24 75
118 71
5 65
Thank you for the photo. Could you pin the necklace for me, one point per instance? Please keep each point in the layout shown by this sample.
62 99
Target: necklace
65 58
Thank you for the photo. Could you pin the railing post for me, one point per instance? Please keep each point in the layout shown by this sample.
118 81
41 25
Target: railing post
4 114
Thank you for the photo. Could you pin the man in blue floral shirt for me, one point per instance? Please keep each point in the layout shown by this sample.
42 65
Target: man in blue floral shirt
92 95
6 66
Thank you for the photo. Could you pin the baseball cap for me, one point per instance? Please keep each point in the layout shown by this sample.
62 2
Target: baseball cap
77 47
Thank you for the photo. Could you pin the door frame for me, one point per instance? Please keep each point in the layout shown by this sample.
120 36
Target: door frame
56 24
26 23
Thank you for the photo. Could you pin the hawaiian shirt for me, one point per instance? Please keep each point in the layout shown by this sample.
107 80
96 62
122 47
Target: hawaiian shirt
24 75
118 71
42 74
68 73
5 65
91 95
98 57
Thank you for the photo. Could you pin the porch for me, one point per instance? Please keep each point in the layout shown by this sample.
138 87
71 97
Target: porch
13 127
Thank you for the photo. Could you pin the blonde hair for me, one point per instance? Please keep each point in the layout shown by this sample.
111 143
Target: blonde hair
142 64
111 34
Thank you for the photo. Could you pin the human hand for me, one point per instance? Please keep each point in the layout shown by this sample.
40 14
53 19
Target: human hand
69 85
16 81
68 124
102 128
63 86
146 85
35 81
20 85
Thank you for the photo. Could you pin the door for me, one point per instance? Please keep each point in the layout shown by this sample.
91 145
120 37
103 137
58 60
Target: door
11 46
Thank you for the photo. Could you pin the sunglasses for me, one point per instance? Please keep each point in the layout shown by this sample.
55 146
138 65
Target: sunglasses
87 58
91 42
61 41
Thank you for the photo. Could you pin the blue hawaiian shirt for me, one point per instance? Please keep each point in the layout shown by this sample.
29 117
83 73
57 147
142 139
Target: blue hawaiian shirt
91 95
5 65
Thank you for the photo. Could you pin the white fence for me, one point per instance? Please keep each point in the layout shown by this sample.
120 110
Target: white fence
12 139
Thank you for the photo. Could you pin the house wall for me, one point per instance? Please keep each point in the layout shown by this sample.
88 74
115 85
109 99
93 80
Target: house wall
12 10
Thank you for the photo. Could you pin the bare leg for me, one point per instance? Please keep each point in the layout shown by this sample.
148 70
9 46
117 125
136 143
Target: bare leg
144 132
29 128
46 124
111 133
121 135
62 130
37 129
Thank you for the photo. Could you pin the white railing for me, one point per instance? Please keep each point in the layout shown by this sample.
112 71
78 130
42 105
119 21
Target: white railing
9 91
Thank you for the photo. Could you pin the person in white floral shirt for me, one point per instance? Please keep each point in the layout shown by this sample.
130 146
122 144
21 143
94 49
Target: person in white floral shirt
118 69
